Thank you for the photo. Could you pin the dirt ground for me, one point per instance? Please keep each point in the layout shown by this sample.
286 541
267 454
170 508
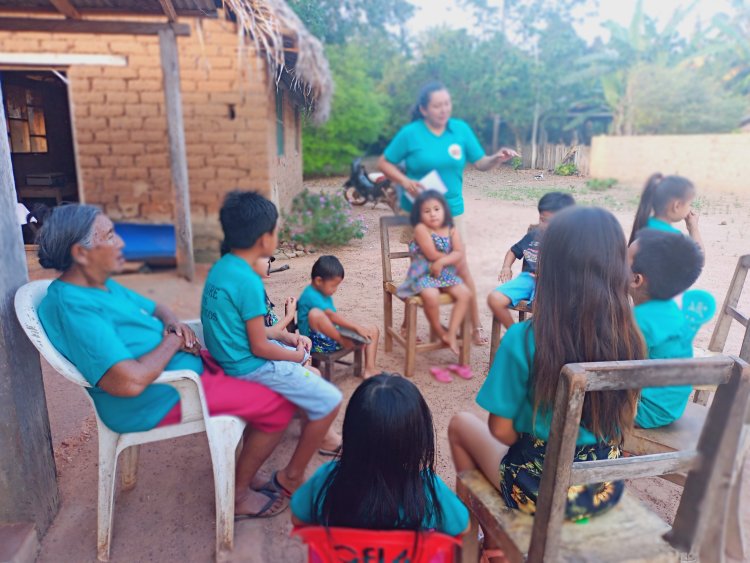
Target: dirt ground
169 516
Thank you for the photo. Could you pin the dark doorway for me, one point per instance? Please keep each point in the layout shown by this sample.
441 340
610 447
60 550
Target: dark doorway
39 132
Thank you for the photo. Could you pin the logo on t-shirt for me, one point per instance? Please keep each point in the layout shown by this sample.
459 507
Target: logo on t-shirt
455 151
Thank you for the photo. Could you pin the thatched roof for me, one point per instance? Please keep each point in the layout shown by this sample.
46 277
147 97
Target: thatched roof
294 55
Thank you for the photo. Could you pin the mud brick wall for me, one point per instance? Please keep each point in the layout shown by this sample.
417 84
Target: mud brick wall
286 169
715 163
120 129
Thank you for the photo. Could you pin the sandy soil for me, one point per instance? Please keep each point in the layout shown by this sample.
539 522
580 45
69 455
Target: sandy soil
169 516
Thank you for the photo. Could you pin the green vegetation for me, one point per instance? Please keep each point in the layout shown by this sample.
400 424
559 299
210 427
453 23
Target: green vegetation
321 219
567 169
516 163
600 184
525 74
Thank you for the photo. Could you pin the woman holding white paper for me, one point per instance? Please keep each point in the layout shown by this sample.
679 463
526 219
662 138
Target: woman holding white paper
434 141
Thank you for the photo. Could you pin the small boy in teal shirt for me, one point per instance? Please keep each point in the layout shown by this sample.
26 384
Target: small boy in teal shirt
233 313
318 319
665 264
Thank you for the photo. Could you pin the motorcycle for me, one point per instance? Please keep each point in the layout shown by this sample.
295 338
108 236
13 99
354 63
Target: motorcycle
362 187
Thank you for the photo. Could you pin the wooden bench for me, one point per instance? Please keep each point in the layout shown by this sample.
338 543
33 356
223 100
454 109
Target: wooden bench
327 362
413 304
629 531
684 432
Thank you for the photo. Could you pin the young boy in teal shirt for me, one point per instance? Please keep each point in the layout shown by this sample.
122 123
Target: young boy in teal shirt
665 264
233 313
318 319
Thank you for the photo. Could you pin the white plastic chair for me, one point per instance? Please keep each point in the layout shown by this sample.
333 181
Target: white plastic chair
224 432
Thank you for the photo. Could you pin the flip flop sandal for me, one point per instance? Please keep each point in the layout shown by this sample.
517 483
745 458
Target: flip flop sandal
441 374
330 453
275 487
267 511
464 372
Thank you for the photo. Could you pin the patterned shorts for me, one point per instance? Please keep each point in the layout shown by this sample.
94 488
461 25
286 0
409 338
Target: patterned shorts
322 344
521 474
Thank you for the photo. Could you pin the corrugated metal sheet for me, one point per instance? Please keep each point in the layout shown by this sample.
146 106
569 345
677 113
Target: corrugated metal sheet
191 7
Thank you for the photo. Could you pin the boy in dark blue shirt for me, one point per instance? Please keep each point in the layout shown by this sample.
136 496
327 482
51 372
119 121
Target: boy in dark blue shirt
522 288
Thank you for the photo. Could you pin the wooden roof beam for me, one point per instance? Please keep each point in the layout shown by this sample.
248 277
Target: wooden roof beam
105 27
168 9
66 8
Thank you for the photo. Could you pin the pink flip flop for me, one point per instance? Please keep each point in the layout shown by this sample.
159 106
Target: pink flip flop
441 374
464 372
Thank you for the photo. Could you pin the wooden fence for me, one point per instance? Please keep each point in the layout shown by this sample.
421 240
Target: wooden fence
550 156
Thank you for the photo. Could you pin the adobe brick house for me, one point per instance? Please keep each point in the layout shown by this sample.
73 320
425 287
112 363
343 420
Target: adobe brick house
102 137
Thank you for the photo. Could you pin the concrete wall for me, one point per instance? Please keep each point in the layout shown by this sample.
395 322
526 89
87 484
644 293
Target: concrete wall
716 163
120 130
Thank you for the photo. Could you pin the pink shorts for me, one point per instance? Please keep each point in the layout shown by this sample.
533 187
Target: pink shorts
256 404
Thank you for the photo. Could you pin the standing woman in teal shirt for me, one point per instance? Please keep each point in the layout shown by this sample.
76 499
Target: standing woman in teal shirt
436 141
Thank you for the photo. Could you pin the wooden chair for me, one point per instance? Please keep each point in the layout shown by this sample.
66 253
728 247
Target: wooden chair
523 308
224 432
685 431
629 531
327 362
413 304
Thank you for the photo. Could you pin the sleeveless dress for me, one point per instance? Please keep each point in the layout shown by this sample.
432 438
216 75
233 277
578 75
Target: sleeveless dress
419 277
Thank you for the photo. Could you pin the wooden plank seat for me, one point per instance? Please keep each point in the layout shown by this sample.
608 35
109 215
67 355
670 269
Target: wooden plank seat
628 532
592 541
412 306
327 362
390 287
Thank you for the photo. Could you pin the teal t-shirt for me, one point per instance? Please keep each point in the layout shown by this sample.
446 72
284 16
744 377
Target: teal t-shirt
455 516
668 336
311 298
98 328
659 225
422 151
233 294
505 392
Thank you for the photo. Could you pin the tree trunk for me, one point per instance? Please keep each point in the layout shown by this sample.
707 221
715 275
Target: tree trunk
495 133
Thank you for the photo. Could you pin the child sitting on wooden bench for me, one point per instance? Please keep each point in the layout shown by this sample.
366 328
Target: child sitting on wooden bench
318 319
665 264
512 291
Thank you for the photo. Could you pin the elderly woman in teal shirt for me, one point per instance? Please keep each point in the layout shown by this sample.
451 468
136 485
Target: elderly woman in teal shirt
121 342
436 141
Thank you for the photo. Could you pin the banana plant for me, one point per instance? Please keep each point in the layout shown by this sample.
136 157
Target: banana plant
628 48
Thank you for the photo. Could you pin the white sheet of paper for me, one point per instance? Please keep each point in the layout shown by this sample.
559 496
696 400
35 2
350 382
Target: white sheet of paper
431 181
21 213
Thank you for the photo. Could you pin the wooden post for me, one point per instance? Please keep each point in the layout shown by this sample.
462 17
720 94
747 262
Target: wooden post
28 486
495 132
170 66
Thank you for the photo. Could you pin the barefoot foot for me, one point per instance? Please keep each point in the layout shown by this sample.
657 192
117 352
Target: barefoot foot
478 338
450 341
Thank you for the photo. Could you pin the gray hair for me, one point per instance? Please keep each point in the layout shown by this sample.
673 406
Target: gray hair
66 225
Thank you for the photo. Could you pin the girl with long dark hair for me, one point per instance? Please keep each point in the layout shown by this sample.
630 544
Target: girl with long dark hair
667 200
581 314
385 478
